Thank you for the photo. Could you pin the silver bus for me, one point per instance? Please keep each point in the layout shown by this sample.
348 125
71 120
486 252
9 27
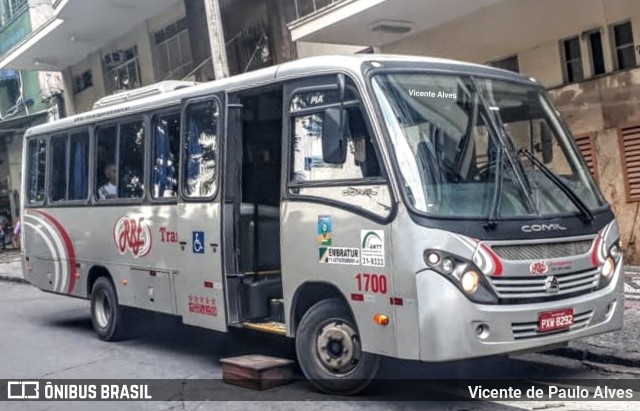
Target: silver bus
365 206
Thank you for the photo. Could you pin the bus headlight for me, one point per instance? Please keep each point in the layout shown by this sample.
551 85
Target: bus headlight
608 268
463 274
470 282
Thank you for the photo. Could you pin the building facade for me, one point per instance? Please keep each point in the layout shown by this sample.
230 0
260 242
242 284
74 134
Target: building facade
27 97
586 52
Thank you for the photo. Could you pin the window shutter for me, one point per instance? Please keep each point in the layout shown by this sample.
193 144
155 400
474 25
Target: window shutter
630 149
585 145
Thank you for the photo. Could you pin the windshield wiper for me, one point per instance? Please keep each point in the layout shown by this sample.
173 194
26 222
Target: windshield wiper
586 213
492 222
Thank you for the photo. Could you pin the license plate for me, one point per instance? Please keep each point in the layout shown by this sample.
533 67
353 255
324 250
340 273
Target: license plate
555 320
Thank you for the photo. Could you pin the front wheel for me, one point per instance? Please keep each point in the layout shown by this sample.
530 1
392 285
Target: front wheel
330 352
106 315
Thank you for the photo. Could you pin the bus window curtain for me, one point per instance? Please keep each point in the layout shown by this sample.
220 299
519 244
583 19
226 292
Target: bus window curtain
80 179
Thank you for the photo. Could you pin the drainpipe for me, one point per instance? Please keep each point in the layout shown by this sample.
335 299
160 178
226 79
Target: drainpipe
216 39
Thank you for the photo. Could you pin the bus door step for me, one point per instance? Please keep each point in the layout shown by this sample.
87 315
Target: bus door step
271 327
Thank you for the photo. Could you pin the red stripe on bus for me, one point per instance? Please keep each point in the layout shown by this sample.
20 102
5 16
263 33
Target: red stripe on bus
357 297
396 301
68 245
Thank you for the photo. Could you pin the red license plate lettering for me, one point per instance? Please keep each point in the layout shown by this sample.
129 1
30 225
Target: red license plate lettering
555 320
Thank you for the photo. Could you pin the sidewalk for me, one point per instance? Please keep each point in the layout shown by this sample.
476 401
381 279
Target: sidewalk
10 266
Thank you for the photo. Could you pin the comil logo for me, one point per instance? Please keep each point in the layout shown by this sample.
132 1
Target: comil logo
132 235
23 390
541 228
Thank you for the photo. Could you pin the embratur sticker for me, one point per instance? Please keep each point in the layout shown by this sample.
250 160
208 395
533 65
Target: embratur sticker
340 255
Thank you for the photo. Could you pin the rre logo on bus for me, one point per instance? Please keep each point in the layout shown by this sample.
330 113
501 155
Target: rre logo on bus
539 228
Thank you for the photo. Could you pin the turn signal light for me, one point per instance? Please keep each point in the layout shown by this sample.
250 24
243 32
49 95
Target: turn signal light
381 319
125 282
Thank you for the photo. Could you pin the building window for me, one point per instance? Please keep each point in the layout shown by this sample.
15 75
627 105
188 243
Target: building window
11 8
173 51
624 45
572 57
586 146
307 7
509 63
629 138
82 82
123 70
597 53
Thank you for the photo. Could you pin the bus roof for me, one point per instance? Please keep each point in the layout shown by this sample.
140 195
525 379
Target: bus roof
294 69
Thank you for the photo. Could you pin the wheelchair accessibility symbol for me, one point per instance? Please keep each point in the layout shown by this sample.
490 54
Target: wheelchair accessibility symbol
198 242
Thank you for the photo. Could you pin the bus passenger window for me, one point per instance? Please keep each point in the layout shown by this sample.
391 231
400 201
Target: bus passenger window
59 168
166 156
106 170
78 166
201 148
37 152
131 172
308 165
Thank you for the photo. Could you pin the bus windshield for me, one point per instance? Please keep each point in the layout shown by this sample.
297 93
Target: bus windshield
473 147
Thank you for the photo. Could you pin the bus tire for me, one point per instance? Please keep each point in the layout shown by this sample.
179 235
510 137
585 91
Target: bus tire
106 315
329 350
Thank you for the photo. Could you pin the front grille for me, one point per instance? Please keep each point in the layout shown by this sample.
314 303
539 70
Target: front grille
542 251
530 287
526 330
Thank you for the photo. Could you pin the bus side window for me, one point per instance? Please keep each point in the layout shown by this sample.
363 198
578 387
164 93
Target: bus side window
37 157
58 182
106 170
69 166
166 156
201 150
131 172
120 156
308 165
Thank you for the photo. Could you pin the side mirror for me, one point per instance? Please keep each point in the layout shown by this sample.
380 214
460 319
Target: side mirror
547 143
334 141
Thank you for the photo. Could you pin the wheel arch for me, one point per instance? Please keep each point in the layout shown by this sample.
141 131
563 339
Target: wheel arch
309 293
96 272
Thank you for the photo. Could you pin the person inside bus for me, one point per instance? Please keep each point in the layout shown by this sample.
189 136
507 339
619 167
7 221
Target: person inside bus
109 189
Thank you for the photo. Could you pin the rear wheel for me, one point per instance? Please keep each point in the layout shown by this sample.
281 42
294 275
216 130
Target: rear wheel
107 317
329 350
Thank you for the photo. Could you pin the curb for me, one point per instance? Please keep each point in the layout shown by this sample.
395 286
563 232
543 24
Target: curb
582 354
15 280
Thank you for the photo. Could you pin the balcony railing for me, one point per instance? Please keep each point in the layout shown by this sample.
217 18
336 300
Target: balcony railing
304 8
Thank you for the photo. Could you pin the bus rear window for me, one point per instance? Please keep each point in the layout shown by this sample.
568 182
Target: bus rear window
37 157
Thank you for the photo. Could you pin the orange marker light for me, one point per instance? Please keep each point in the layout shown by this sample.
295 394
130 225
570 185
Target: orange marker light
125 282
381 319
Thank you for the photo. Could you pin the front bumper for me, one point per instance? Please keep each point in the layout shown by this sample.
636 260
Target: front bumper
449 322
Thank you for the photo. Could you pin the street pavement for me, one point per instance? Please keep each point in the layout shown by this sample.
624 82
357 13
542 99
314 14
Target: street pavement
46 336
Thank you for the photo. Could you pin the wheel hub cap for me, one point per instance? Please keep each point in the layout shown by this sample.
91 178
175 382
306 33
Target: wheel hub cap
338 347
